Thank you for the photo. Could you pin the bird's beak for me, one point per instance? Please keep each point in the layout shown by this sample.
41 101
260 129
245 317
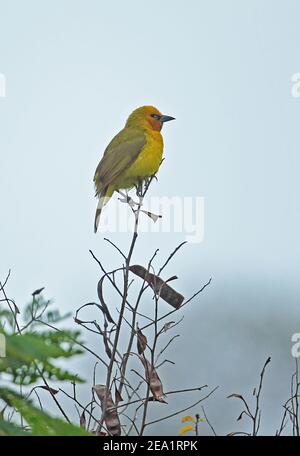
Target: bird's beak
166 118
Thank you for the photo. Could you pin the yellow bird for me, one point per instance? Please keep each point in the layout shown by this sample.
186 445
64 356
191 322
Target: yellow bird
134 154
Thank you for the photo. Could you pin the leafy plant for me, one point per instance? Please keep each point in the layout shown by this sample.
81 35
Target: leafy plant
31 361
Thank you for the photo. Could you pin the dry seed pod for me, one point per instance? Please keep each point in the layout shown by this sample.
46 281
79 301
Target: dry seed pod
141 341
111 416
154 381
159 286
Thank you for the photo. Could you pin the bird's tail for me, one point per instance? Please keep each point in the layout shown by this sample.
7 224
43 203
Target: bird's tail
104 197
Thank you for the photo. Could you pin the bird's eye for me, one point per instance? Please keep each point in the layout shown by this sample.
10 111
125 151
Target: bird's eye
155 116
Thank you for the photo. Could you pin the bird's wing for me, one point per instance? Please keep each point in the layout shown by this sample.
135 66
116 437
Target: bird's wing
118 156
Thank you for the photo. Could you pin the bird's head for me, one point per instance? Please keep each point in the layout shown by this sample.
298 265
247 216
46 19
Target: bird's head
147 117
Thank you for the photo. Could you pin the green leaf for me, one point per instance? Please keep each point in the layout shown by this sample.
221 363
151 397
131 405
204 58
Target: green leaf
26 352
7 428
39 422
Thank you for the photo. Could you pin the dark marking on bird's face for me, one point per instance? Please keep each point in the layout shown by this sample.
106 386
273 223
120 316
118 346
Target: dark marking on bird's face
157 120
156 116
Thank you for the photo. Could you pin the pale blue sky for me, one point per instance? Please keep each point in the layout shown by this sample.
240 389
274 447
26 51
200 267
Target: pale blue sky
75 70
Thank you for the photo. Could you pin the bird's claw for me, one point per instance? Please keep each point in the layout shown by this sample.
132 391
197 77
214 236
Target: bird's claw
128 200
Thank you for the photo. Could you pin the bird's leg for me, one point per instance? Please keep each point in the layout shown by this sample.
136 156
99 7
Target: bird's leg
139 189
147 182
125 195
127 199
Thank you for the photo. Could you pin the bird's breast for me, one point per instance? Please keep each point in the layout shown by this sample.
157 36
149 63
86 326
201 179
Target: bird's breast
150 157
